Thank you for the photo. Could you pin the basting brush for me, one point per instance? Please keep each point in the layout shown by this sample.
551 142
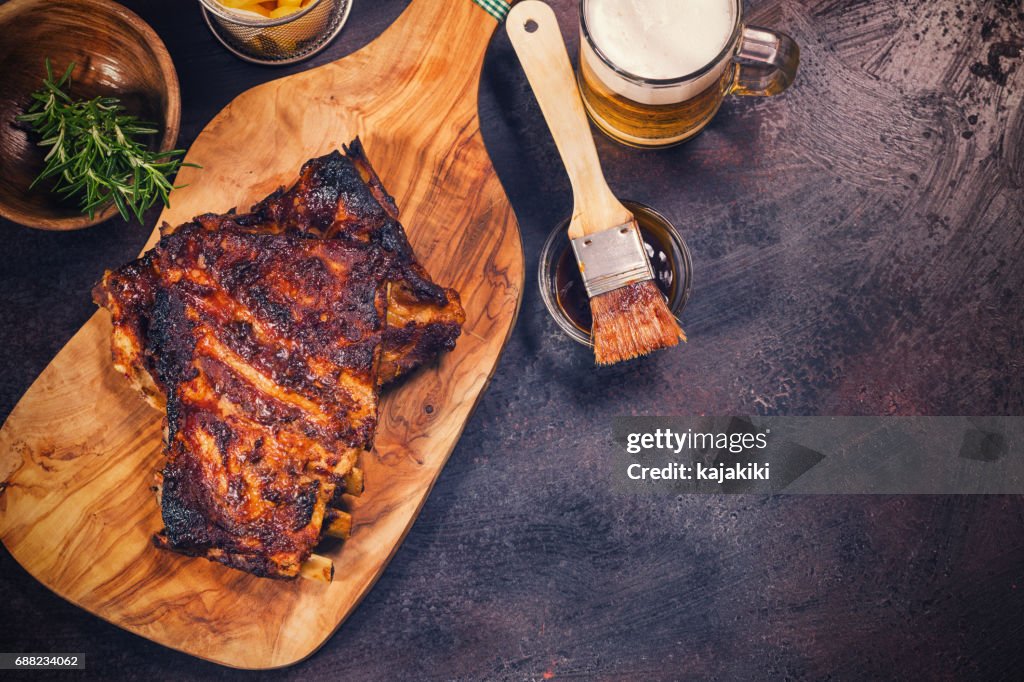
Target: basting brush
630 315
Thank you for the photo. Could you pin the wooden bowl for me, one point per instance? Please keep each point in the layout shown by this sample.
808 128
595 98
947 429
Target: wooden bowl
116 53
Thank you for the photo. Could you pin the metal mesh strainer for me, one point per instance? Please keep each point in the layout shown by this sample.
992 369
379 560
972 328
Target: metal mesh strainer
284 40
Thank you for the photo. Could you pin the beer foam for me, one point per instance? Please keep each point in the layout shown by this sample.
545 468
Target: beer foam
660 39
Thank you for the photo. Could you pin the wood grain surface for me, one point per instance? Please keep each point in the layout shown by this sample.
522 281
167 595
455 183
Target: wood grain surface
857 250
78 452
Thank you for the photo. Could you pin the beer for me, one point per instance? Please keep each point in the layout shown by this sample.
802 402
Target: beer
650 125
653 73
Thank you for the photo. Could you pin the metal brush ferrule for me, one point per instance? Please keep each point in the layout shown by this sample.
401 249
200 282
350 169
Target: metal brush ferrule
611 259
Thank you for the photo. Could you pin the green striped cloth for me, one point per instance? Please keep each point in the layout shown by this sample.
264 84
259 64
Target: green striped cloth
496 8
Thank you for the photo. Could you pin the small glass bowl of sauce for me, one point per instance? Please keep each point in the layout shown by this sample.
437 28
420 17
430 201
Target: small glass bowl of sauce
561 285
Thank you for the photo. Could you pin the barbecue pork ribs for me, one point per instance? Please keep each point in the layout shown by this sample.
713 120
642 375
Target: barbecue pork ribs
267 346
266 336
336 197
341 197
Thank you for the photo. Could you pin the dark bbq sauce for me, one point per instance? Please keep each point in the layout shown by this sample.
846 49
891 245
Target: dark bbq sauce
572 297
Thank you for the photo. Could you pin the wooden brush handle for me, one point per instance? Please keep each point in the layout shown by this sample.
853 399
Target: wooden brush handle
533 29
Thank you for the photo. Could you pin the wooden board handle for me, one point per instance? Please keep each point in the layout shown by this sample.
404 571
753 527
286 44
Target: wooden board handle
533 29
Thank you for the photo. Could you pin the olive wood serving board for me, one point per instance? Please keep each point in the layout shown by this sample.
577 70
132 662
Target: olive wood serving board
78 452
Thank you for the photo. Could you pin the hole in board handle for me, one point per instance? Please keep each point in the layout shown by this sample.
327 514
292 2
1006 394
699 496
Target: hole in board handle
530 26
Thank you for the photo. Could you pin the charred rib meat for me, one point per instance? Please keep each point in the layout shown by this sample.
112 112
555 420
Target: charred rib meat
267 336
336 197
267 346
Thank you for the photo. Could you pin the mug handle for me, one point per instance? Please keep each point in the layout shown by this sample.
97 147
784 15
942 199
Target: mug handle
766 62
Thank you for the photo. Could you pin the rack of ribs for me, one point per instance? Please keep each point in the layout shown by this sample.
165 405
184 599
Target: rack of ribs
266 336
337 196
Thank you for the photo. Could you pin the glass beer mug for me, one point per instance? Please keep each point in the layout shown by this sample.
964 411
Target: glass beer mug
653 73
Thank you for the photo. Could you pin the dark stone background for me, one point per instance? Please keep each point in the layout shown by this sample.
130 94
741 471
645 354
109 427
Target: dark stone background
857 246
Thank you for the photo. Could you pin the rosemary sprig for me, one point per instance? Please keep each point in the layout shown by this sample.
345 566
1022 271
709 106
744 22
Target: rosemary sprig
95 150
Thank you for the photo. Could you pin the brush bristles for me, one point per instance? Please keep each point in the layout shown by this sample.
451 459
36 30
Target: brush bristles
632 321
